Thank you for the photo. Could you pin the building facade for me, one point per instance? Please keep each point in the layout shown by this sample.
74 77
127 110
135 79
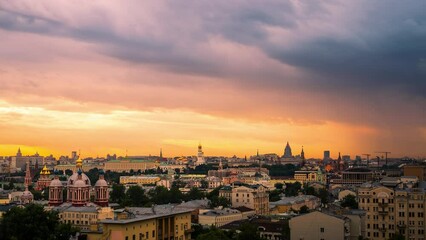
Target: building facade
251 196
320 226
393 211
145 223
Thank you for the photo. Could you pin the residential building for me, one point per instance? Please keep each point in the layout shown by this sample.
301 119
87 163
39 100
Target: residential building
320 226
271 229
252 196
157 223
287 204
220 217
416 170
393 211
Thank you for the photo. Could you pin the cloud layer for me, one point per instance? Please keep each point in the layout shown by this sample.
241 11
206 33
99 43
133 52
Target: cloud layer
361 65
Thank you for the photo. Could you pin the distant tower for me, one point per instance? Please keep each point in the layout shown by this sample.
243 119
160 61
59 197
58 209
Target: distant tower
302 154
340 163
27 196
220 164
200 156
101 191
74 155
287 151
161 153
19 154
55 191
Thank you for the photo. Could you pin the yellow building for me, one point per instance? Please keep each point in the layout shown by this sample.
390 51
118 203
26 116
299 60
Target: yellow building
310 176
393 211
83 217
252 196
125 165
288 204
157 223
140 180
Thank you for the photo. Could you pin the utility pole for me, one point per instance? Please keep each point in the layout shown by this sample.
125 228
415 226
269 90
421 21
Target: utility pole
386 156
368 158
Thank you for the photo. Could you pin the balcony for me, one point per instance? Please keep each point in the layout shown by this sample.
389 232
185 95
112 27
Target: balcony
401 225
382 229
188 231
382 205
383 212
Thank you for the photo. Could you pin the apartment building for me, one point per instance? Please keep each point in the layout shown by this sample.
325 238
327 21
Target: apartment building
252 196
158 223
393 211
320 226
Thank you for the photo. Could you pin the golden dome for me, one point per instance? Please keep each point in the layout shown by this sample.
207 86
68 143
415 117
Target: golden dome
79 163
45 171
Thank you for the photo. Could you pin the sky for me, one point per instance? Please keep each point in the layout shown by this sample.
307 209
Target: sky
236 76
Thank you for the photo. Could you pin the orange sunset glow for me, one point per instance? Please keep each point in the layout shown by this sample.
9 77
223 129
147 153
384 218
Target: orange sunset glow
106 77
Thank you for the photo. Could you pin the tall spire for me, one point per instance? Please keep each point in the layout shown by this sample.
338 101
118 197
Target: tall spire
302 154
19 154
27 176
161 153
220 164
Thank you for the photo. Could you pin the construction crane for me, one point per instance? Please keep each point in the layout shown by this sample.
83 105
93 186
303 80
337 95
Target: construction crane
386 156
368 157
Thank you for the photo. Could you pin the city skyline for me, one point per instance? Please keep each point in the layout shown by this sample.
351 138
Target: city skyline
105 77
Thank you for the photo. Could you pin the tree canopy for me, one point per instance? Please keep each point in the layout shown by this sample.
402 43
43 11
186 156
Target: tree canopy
350 202
32 222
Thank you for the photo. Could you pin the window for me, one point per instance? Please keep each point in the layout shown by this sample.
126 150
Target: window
134 237
322 230
153 233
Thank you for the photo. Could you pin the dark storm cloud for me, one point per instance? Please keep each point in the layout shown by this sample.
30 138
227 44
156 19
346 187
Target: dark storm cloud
340 48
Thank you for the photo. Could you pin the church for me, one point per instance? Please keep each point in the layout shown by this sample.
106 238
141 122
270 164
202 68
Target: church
76 208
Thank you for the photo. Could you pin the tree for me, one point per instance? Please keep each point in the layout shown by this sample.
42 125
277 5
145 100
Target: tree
279 185
397 236
292 189
304 209
178 184
194 194
248 231
219 201
204 184
68 172
274 195
310 191
350 202
135 197
118 193
323 195
213 234
36 194
32 222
